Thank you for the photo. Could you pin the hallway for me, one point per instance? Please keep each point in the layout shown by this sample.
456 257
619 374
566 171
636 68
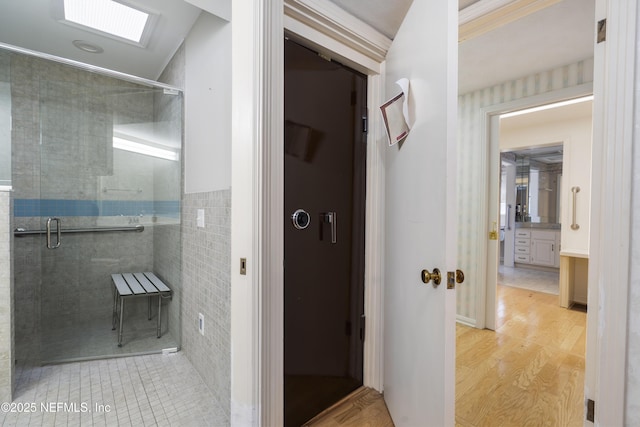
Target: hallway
530 371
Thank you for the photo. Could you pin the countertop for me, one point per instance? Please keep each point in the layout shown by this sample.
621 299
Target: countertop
537 225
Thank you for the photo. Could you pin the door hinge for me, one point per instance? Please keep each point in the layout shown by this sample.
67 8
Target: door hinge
365 124
591 410
363 324
602 31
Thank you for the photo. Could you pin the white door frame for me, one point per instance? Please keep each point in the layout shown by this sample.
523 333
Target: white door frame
612 173
486 301
258 190
614 90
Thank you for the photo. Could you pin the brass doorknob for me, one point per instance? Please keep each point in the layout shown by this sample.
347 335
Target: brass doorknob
459 276
435 276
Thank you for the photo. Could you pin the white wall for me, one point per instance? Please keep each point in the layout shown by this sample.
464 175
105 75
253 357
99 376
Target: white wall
548 134
221 8
575 135
208 105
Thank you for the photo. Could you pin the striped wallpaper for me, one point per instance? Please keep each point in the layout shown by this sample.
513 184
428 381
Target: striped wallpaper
470 152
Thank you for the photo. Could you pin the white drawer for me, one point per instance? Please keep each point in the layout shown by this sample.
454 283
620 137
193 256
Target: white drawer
522 250
522 258
523 233
522 242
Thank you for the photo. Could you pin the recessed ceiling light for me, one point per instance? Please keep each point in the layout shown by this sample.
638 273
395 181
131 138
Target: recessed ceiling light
110 18
87 47
547 106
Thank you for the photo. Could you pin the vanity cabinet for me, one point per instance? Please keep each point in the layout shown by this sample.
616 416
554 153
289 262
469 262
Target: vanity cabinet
522 251
537 247
544 248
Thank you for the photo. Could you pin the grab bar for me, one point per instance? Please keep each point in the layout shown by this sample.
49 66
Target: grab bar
24 232
508 217
575 191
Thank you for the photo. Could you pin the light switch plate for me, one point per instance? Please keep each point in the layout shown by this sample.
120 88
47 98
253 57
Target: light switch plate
200 218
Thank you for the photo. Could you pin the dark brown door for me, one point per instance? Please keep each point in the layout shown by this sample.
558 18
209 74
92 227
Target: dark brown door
325 160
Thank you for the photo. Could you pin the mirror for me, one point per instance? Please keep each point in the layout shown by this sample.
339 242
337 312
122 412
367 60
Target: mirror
537 184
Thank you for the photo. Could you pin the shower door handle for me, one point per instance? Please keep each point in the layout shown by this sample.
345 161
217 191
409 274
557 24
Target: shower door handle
330 217
58 233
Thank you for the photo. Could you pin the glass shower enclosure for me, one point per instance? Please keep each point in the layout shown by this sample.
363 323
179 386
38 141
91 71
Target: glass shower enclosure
97 178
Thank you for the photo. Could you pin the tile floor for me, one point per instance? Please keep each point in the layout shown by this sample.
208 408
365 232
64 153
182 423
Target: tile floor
529 278
94 337
152 390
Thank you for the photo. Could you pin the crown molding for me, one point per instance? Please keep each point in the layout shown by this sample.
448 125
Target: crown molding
487 15
332 21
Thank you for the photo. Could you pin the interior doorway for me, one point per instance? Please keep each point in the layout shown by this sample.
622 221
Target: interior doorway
529 222
534 338
325 181
545 161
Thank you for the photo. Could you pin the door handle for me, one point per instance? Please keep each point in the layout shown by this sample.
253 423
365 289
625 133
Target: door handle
330 218
58 233
508 217
435 276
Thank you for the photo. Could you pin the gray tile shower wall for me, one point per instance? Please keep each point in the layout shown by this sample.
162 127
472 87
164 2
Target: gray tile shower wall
6 306
206 281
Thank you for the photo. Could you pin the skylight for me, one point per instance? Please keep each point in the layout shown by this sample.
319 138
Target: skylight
108 16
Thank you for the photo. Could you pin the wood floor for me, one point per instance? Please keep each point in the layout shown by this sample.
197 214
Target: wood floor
529 372
364 407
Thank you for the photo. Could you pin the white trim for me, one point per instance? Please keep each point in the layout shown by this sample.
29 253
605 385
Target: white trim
466 321
256 223
614 91
481 8
271 193
487 15
332 21
374 244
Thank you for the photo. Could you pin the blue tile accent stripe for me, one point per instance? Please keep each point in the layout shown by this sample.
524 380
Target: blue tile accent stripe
62 207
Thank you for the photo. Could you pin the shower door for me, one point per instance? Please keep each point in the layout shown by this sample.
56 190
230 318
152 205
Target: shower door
109 203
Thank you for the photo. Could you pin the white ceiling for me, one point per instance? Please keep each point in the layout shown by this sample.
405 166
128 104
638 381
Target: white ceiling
559 35
556 36
28 24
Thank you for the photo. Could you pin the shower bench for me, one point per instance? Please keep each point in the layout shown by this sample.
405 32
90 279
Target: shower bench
132 285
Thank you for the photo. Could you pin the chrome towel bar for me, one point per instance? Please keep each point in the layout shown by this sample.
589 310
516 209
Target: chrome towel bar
24 232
